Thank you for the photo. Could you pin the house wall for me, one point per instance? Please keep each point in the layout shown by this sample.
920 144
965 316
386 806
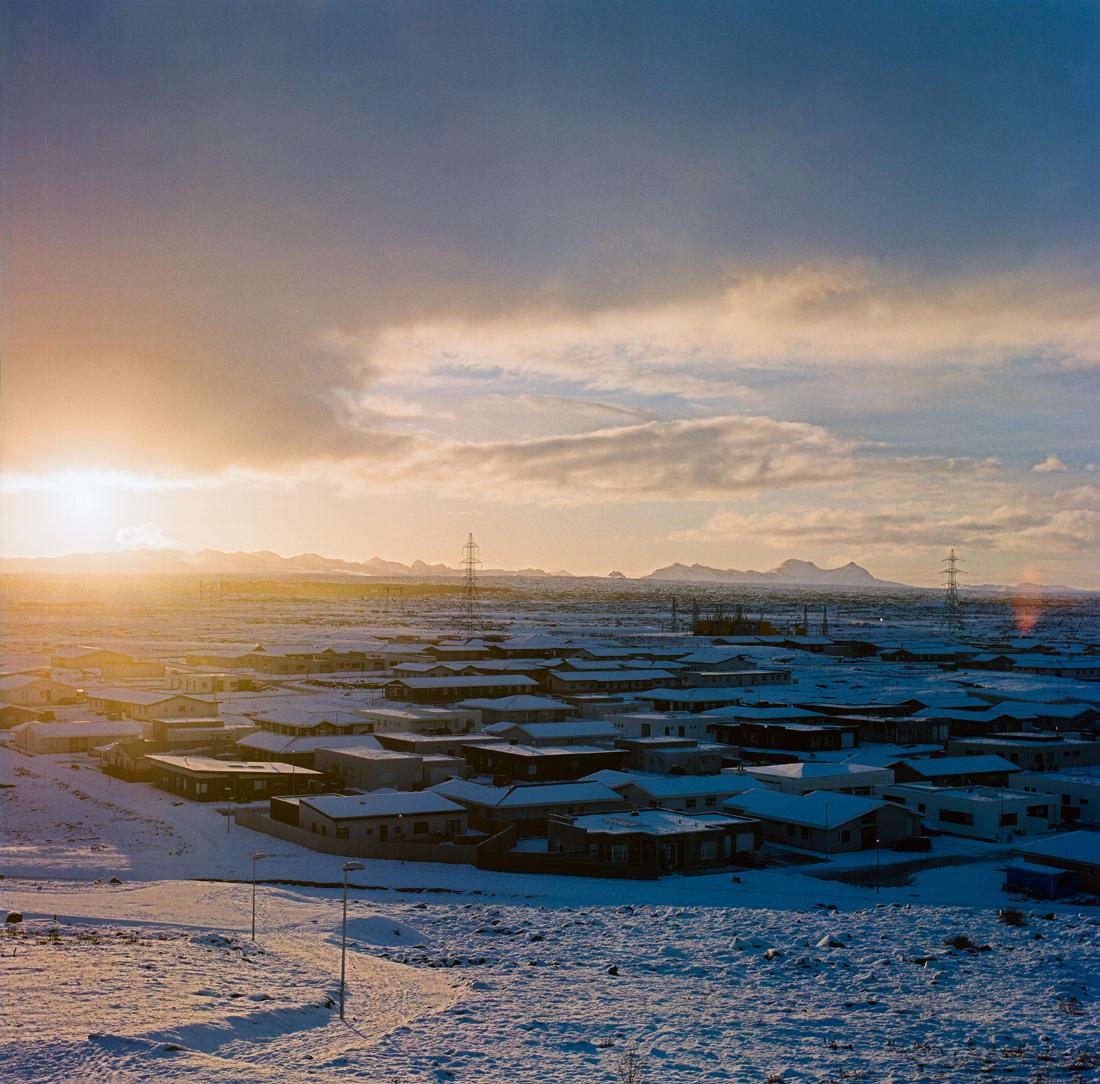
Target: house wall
385 829
880 828
401 771
1077 797
976 816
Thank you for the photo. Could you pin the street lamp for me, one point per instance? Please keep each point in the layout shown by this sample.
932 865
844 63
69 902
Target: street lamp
826 831
348 867
228 806
255 858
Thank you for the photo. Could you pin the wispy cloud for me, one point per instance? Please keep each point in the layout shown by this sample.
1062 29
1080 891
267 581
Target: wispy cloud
1066 522
1050 464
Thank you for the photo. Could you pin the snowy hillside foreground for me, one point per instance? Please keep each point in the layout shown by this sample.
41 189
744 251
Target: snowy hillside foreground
503 991
502 977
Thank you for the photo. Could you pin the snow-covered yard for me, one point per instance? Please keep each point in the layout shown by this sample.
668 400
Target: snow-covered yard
461 974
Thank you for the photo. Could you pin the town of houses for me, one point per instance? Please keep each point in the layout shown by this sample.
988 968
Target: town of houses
623 757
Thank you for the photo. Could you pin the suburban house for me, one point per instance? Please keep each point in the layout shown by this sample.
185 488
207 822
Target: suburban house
204 779
75 737
31 691
1032 752
383 817
776 742
143 704
825 821
543 764
453 689
672 841
665 724
374 768
420 720
695 700
14 714
806 776
572 732
446 745
978 812
299 750
605 705
683 793
1078 796
1078 852
729 679
606 681
519 709
528 807
897 730
300 723
675 756
86 658
984 771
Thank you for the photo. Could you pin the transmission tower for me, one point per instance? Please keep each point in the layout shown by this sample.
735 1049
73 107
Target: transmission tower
951 622
470 608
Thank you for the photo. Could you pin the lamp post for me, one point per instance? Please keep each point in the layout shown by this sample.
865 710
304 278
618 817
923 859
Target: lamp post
348 867
229 805
255 858
826 831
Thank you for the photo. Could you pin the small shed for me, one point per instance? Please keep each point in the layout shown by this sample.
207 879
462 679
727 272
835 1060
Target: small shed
1048 882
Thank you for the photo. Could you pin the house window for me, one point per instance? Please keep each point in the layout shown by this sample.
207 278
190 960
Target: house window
1008 819
790 829
920 807
1040 810
593 849
420 828
804 833
710 803
619 852
691 803
342 831
953 816
846 836
533 770
708 851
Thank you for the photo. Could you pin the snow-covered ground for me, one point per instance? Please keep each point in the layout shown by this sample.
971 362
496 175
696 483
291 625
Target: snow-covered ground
460 974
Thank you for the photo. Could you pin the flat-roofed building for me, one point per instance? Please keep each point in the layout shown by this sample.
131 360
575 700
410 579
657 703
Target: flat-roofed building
204 779
673 756
607 681
543 764
1032 752
977 812
1078 796
383 817
145 704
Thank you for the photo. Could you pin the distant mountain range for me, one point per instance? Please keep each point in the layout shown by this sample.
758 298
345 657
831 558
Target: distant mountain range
803 573
215 562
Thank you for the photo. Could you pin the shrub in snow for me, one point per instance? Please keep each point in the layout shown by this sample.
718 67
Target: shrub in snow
959 941
1011 916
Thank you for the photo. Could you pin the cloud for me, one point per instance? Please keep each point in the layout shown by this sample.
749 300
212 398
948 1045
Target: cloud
564 404
843 315
1067 522
1051 463
148 536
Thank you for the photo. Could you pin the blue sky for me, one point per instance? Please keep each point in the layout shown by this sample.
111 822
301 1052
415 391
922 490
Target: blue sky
609 284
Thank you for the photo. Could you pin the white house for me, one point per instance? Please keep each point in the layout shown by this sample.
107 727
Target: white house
76 737
977 812
805 776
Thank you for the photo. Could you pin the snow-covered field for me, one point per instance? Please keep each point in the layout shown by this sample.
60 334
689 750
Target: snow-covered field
460 974
133 963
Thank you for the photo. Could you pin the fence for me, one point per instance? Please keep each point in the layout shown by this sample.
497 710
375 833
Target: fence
351 848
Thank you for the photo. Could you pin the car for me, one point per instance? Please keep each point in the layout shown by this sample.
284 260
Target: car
912 843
